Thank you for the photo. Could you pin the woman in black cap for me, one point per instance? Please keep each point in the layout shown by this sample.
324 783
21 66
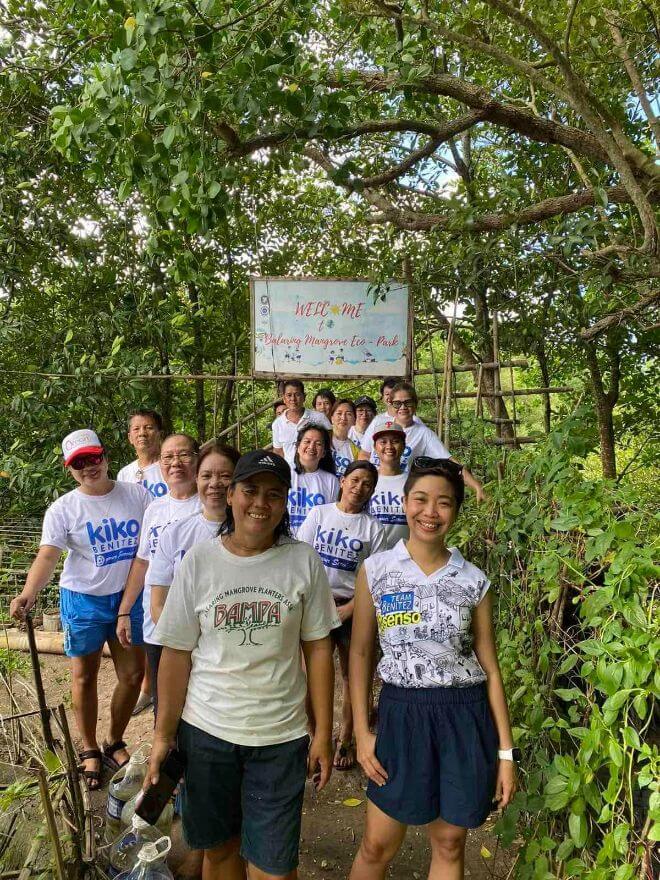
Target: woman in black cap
231 684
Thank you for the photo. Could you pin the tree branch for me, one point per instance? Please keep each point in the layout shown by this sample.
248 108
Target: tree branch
620 317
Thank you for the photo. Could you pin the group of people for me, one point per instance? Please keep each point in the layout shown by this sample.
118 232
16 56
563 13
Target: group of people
223 584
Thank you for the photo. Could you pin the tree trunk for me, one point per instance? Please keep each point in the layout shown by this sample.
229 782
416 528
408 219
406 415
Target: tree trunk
197 363
605 400
545 374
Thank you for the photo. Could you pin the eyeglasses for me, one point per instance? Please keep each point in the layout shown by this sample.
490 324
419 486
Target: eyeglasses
83 461
401 404
183 457
426 463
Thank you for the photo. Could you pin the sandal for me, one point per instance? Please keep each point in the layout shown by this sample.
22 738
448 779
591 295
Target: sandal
344 756
109 750
92 777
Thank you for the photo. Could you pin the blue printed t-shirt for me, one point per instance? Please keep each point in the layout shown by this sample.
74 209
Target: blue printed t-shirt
101 534
152 478
308 491
386 506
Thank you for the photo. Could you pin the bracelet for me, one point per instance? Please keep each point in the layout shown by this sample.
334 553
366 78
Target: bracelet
123 615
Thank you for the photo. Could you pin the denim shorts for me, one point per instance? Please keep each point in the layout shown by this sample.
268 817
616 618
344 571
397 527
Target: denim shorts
251 792
439 748
89 621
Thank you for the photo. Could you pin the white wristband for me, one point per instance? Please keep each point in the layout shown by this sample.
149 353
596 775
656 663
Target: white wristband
505 754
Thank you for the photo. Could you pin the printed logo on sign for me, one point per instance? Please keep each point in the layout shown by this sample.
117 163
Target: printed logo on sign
113 540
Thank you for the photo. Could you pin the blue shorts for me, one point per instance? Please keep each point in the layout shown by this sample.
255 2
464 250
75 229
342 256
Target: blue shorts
251 792
91 621
439 748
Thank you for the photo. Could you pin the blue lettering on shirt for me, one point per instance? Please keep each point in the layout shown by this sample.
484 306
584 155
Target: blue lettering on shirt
156 489
390 603
341 463
113 540
387 507
300 502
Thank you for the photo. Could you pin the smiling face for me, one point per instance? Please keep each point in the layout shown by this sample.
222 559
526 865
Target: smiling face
178 462
258 505
404 407
364 416
430 508
342 419
323 405
213 479
387 395
144 436
357 487
93 477
311 449
389 448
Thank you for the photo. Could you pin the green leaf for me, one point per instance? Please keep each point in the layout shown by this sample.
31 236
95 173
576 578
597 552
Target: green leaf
127 59
214 189
168 136
125 189
51 761
577 827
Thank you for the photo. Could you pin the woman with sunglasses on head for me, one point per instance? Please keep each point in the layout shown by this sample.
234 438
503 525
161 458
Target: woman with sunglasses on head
178 461
344 451
231 682
344 535
313 479
98 526
444 746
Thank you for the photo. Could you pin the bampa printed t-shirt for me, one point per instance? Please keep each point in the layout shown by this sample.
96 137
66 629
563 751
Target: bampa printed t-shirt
101 534
425 621
243 618
285 433
173 545
343 541
308 491
386 506
152 478
157 518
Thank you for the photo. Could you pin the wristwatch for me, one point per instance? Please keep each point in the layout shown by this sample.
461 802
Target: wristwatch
509 755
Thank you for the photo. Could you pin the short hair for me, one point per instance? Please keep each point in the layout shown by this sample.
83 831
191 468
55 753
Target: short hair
451 472
343 401
276 404
219 448
156 417
327 462
390 382
361 465
406 386
327 393
194 443
294 383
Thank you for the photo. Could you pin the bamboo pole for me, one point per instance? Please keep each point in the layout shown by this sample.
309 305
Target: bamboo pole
52 825
497 378
72 762
522 392
478 409
470 368
39 686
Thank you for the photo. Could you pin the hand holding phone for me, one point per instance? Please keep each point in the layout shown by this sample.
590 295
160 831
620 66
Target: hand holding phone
155 797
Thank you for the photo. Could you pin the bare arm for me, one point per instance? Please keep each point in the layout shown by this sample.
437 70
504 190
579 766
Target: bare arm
484 648
133 588
474 484
158 597
173 677
39 575
363 456
360 668
278 450
321 689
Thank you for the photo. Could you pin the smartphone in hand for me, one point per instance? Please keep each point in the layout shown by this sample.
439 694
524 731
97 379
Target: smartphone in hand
155 798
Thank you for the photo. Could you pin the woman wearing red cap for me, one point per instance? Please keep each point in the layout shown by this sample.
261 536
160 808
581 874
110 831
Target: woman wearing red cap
98 525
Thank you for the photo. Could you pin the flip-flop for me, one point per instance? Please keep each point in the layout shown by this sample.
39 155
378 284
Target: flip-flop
108 752
344 751
92 777
144 701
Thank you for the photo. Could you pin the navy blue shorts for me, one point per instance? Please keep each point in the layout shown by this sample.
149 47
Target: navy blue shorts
251 792
89 621
439 748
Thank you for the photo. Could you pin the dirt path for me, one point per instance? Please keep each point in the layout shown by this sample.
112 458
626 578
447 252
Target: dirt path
331 831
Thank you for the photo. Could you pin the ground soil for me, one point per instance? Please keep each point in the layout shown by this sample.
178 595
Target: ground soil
331 831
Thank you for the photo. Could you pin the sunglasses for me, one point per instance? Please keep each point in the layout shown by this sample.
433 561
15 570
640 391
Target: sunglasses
426 463
83 461
400 404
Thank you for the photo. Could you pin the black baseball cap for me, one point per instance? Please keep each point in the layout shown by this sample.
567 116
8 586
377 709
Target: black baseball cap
366 401
261 461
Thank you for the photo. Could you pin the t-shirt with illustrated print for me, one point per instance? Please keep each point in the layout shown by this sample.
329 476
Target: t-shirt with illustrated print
425 621
173 545
101 534
158 517
308 491
386 506
343 541
152 478
243 618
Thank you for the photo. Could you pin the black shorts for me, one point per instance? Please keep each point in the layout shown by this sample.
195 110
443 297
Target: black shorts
251 792
439 748
341 635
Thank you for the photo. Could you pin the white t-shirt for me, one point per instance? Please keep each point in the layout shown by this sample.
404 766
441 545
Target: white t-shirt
355 436
425 622
308 491
343 453
173 545
159 515
285 433
101 533
343 541
243 618
386 506
152 478
420 440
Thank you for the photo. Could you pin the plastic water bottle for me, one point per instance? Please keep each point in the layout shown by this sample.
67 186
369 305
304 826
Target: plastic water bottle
124 852
163 823
151 862
126 782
